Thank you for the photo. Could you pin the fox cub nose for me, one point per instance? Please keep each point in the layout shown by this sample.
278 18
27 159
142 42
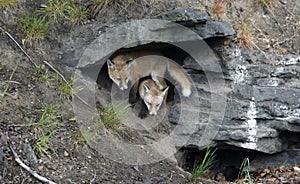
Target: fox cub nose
152 113
122 88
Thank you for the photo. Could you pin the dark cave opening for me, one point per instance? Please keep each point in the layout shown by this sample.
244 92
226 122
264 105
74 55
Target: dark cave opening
228 160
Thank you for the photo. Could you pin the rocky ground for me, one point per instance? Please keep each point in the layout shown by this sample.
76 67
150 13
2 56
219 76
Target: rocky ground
36 115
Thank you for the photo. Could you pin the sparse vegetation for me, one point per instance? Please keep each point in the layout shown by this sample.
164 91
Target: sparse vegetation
112 117
42 144
34 29
244 174
82 137
218 8
268 3
66 87
60 10
7 3
245 36
76 14
3 93
47 126
206 164
97 5
46 78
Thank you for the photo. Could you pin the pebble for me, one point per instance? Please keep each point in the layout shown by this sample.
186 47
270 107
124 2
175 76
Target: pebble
30 155
297 169
66 154
136 168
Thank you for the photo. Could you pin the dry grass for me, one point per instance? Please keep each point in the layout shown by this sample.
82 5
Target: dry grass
98 5
245 37
61 10
219 8
268 3
7 3
34 29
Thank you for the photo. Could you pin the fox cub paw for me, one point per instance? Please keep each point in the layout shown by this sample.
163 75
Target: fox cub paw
143 114
132 100
186 92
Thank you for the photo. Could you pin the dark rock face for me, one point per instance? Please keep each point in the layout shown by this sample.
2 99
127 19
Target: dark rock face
262 95
262 101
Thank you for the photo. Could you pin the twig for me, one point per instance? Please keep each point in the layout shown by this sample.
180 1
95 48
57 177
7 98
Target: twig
22 125
257 47
48 64
13 82
270 10
277 177
64 79
24 166
20 47
93 179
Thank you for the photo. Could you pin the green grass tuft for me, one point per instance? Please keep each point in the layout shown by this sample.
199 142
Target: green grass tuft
76 14
244 174
3 93
206 164
48 124
34 29
67 87
112 117
64 10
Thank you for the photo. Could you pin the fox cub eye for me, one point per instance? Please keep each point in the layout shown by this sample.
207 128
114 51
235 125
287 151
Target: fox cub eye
129 61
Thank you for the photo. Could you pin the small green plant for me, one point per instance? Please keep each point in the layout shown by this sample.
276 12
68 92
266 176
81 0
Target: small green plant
7 3
112 117
42 144
60 10
206 164
82 137
39 68
48 124
43 75
244 174
3 93
34 29
66 87
54 9
46 78
76 14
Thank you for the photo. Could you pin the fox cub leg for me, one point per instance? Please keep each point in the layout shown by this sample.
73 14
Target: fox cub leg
143 111
133 93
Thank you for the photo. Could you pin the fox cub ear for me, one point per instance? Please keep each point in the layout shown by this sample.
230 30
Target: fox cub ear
146 88
165 91
129 62
110 64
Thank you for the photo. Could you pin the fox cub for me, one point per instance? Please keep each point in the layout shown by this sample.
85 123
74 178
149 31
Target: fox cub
153 93
133 66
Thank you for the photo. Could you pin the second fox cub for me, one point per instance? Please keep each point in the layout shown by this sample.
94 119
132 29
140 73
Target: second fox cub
133 66
153 92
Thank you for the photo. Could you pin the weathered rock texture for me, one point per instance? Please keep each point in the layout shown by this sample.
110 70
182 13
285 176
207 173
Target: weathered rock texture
262 93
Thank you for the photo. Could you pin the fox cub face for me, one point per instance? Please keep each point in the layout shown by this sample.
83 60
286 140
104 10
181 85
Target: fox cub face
152 96
119 72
